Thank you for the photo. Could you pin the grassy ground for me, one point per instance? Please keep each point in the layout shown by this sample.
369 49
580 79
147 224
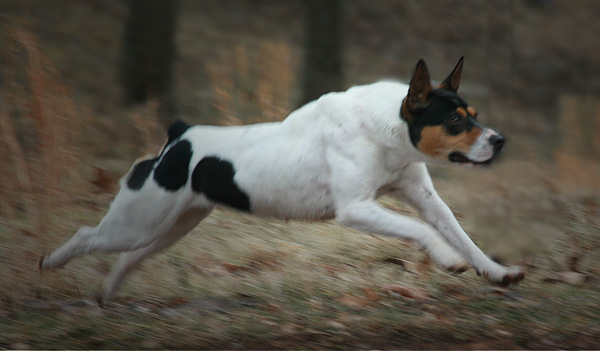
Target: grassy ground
243 282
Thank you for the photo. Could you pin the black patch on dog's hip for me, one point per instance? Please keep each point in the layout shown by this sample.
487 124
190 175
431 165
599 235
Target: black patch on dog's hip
214 178
140 173
172 171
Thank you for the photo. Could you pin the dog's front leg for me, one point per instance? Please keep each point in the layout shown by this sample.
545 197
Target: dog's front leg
370 216
354 189
418 190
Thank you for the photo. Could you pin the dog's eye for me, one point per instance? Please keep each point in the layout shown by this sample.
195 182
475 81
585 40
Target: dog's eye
455 119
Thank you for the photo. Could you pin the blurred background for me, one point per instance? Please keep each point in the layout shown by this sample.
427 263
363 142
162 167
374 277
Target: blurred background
87 87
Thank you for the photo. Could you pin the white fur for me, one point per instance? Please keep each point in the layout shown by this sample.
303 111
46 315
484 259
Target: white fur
331 158
482 149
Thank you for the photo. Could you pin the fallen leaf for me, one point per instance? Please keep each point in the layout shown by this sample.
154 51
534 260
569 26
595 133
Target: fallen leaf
371 295
289 328
497 290
336 325
232 268
396 261
248 300
430 317
261 264
353 301
457 291
273 307
551 280
503 333
573 278
408 292
567 277
330 270
28 233
103 181
424 266
573 262
176 301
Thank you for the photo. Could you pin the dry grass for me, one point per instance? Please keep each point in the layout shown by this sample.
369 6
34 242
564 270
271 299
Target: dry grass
39 148
39 128
253 86
151 132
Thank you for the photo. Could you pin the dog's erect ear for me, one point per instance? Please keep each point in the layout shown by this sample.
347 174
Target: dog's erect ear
419 88
453 80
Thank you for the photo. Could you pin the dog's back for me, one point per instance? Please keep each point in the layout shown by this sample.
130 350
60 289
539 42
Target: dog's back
281 169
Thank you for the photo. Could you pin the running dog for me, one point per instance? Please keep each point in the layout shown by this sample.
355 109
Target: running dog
332 158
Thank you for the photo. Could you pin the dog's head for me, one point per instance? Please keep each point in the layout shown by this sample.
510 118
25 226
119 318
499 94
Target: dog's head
444 126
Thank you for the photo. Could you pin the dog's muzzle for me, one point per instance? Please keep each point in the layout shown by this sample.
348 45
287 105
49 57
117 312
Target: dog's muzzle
487 147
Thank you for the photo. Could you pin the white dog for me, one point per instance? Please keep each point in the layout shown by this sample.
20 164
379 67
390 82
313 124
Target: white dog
332 158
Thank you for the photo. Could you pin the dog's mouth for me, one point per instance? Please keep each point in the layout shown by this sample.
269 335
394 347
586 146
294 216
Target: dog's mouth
458 157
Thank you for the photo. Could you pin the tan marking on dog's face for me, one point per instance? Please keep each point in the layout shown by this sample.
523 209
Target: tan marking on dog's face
462 112
437 143
472 111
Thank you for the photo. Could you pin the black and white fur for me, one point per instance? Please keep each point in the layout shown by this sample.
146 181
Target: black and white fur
332 158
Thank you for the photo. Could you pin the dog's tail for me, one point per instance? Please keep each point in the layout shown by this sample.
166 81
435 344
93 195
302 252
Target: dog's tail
175 130
144 165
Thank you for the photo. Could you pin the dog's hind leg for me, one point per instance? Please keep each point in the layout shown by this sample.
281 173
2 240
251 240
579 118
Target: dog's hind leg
129 260
134 220
106 237
79 244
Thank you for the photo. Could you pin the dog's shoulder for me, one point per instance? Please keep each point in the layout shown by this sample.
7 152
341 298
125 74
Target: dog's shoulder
366 110
381 89
377 98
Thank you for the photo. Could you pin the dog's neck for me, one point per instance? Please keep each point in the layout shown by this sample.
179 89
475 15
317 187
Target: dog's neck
386 127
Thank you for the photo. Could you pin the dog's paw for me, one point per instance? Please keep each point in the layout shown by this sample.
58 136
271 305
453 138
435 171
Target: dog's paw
445 256
454 263
513 275
458 268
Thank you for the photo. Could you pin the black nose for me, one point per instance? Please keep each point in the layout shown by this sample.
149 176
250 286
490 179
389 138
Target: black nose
498 142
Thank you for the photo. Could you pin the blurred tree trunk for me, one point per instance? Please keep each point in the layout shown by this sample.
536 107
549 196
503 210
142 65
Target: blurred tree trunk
323 48
148 54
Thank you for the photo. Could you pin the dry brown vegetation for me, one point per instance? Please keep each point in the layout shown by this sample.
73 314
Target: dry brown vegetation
243 282
39 122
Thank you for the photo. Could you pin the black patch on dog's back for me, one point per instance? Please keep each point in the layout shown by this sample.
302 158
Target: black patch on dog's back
213 177
175 130
172 171
140 173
